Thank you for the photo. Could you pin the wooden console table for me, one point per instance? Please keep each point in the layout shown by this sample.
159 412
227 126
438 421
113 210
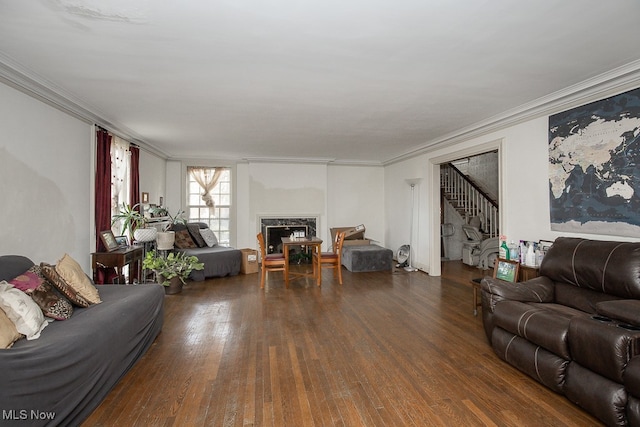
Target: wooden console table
131 256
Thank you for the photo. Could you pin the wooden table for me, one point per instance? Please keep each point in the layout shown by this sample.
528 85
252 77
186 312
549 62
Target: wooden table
131 255
315 243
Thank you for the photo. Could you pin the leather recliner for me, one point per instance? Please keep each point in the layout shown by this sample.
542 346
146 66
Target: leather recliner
576 327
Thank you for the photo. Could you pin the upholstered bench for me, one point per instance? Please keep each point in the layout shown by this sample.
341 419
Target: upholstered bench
367 258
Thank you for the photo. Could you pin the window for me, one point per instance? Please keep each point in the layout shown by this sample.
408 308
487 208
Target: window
214 206
120 178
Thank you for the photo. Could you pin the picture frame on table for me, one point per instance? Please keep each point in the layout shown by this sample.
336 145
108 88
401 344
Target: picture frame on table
122 241
506 270
109 240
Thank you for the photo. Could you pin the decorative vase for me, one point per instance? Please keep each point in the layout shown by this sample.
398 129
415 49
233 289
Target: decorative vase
165 240
175 286
145 234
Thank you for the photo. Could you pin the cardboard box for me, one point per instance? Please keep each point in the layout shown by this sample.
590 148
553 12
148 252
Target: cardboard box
356 239
249 261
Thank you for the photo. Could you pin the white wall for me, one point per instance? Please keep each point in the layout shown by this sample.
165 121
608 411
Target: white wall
153 171
287 189
46 181
356 196
397 208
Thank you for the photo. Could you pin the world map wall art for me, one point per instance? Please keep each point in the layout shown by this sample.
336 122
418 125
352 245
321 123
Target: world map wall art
594 167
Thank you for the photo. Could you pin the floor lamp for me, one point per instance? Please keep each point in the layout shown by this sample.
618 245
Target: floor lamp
412 183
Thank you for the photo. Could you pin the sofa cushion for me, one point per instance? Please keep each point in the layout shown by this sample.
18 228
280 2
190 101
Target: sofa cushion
184 240
546 328
632 376
8 332
362 258
602 346
627 311
60 284
603 266
194 232
22 310
579 298
538 363
75 277
601 397
209 237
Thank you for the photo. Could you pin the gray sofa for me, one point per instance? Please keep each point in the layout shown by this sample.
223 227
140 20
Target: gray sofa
219 261
63 375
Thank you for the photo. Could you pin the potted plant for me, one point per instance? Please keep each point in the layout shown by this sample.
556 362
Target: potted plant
133 222
173 270
166 237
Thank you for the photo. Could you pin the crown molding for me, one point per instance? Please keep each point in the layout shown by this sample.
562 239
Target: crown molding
604 85
300 160
26 81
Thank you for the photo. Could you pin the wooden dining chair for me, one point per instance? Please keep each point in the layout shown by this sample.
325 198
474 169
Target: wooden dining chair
331 259
270 262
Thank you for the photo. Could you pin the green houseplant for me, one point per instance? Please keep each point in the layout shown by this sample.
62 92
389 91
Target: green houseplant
172 270
132 221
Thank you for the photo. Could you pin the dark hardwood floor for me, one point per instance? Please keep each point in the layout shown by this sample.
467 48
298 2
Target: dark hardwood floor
384 349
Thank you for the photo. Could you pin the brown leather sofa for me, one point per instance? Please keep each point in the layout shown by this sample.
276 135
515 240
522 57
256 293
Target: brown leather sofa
576 328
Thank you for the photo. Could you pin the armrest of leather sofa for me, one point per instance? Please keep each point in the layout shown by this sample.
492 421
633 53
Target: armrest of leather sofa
626 310
540 289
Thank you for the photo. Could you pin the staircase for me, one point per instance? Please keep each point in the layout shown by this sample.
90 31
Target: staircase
468 199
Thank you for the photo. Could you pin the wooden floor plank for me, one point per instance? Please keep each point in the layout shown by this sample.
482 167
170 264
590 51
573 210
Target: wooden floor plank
384 349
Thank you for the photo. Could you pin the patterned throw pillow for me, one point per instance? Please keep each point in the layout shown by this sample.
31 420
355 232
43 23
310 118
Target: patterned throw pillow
51 303
209 237
184 240
75 277
22 310
58 282
33 283
27 281
194 232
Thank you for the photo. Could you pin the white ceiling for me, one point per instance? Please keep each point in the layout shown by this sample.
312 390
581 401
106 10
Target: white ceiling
345 80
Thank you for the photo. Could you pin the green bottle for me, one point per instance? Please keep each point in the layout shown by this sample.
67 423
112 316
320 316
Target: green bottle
504 250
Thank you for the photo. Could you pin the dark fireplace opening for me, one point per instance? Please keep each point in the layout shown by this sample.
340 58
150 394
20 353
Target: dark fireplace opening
274 229
275 233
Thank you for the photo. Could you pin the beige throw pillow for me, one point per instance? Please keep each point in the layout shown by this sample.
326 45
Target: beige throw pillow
72 273
8 332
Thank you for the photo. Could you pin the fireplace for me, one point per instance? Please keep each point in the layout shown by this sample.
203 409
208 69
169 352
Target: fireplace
275 228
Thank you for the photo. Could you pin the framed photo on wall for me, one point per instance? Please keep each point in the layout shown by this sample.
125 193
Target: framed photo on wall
109 240
506 270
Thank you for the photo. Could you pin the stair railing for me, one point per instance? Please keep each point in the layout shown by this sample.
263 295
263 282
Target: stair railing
470 198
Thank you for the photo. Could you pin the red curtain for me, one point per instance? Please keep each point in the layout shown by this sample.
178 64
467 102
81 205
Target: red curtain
134 188
103 186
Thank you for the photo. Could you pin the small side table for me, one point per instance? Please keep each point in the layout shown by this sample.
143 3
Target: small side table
131 255
475 283
527 273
